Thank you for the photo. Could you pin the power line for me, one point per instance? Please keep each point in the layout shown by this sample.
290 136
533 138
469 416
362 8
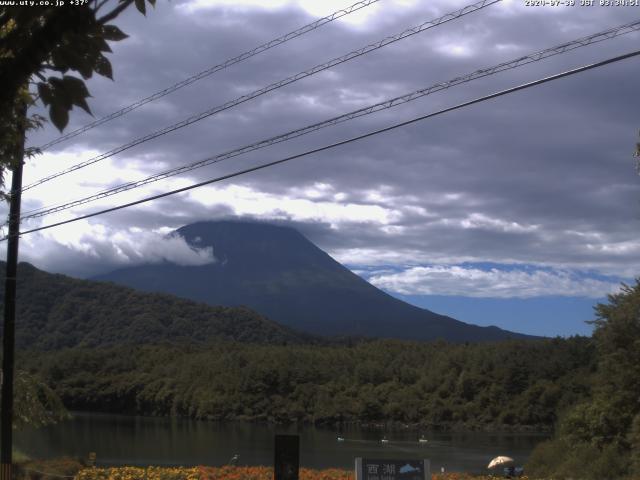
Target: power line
211 70
343 142
520 61
299 76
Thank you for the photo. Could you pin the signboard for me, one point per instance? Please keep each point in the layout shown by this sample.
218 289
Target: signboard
287 457
392 469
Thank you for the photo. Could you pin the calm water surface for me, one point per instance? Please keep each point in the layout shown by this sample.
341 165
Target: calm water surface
125 440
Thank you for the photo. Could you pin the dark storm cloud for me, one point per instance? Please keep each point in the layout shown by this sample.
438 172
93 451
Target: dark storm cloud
543 176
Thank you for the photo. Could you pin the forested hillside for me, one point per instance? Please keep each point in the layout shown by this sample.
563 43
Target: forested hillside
56 311
599 438
510 384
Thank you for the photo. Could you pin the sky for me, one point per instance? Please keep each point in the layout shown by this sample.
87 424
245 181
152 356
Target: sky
521 211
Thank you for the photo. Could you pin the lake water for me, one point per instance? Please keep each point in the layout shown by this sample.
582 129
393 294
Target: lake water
127 440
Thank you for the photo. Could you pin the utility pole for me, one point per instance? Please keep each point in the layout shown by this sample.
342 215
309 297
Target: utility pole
6 405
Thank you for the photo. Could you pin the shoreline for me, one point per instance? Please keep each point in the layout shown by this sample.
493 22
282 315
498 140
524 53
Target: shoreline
389 425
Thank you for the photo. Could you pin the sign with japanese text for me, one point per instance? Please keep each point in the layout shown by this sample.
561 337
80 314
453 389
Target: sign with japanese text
392 469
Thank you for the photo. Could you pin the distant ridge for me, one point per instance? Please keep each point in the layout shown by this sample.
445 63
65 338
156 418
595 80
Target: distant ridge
56 311
276 271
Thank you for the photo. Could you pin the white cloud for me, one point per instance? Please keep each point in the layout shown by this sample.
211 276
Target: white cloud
372 257
152 248
193 6
245 201
454 49
484 222
312 7
493 283
84 249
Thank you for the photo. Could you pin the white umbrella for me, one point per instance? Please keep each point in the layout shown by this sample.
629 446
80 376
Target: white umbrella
496 462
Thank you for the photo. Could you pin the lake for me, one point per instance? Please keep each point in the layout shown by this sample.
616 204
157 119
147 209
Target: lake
128 440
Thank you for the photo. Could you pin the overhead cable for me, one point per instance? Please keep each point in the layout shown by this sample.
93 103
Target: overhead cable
299 76
393 102
337 144
211 70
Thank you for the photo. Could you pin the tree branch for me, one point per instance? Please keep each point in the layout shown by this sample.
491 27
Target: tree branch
99 5
115 12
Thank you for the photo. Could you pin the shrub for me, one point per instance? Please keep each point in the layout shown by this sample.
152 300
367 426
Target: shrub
559 459
48 469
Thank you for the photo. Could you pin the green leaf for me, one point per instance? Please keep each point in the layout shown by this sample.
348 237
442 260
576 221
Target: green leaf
75 85
141 6
59 116
82 103
59 94
64 58
113 33
103 67
85 67
66 92
46 95
103 46
76 91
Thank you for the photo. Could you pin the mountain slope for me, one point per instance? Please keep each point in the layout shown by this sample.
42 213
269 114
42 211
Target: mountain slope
279 273
56 311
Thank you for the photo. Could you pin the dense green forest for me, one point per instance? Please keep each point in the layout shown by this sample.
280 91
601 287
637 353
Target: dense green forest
511 384
56 311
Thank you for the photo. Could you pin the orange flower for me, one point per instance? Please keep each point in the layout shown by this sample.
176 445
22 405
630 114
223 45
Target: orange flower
234 473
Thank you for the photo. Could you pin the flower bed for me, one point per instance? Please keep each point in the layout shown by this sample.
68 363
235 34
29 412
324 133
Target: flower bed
204 473
234 473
